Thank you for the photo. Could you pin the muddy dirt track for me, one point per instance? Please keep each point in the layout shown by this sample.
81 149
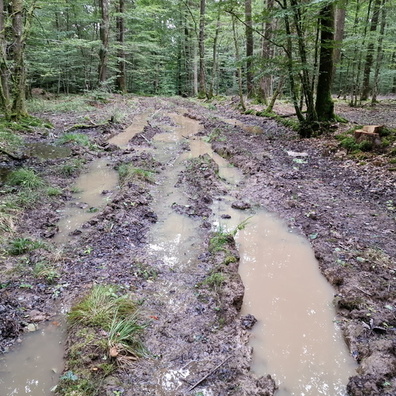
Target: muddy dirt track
345 208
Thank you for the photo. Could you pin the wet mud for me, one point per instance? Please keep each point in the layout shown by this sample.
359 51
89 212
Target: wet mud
194 322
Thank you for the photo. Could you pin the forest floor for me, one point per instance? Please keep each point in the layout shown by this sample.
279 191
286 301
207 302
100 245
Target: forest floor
341 199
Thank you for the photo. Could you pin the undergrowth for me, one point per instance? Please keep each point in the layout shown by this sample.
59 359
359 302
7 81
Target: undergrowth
105 329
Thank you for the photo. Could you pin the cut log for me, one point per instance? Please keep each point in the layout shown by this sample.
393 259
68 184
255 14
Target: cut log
373 128
361 134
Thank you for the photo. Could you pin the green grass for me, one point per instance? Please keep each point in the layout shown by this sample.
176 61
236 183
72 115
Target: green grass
75 138
128 173
64 104
10 141
71 167
45 271
25 124
105 329
99 306
26 178
214 280
54 191
23 245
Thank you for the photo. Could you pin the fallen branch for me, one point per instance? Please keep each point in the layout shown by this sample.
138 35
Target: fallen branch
210 373
88 126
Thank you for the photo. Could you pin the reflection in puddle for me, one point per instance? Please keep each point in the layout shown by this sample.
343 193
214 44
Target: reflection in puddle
47 151
295 339
99 178
34 367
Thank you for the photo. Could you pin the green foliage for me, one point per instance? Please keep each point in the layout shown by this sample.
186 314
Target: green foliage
71 167
99 307
54 191
129 173
63 104
23 245
44 270
214 280
10 141
24 124
26 178
75 138
219 241
106 331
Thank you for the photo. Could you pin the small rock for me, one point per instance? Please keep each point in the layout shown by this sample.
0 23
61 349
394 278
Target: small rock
241 205
225 216
248 321
31 327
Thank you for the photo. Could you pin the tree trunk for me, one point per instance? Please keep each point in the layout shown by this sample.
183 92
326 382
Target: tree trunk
267 52
4 73
120 22
306 81
104 32
290 61
19 70
339 30
324 102
214 52
249 48
370 53
201 43
239 70
380 53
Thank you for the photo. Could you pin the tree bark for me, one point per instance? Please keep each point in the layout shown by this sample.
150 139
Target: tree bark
239 70
370 53
267 51
120 22
201 44
214 53
340 15
380 53
104 32
4 72
249 48
324 103
19 70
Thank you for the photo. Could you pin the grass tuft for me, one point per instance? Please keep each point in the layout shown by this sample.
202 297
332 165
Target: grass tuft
25 178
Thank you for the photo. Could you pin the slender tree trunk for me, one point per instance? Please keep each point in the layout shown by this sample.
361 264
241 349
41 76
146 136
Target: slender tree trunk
4 73
201 41
370 53
267 52
339 30
249 48
239 70
324 102
19 70
289 54
214 52
120 22
104 32
306 81
380 53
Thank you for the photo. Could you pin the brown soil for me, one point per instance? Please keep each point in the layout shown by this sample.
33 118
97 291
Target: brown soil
344 205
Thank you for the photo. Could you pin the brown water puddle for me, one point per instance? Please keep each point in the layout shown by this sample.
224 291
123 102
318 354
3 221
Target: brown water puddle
295 339
34 367
139 122
47 151
98 178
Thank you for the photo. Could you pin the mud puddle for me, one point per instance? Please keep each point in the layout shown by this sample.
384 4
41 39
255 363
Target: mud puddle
47 151
33 368
140 121
93 189
295 339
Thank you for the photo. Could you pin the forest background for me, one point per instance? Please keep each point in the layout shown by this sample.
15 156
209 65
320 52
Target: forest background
261 49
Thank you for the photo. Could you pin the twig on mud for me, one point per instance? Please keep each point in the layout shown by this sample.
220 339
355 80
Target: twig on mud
363 291
210 373
144 137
